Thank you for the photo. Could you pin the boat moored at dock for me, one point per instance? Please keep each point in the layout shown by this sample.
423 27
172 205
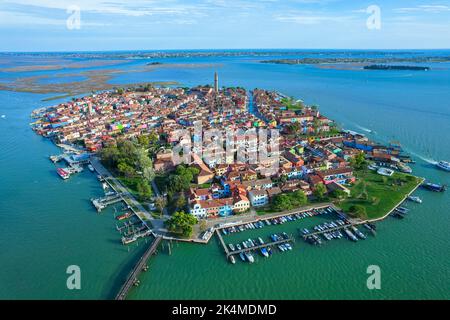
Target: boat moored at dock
63 173
415 199
434 187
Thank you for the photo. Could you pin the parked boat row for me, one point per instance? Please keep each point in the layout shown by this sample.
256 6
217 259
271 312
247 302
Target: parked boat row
207 234
259 246
333 230
278 220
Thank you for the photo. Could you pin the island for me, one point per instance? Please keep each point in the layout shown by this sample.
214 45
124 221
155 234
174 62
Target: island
395 67
134 135
359 60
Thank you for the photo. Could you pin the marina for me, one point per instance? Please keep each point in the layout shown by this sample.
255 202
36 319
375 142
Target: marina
251 246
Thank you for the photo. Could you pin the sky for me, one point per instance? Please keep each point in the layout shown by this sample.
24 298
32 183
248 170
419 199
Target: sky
99 25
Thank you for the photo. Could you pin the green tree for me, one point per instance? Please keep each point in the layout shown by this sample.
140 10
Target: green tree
358 211
358 160
144 190
181 201
161 203
181 223
281 202
126 169
319 191
298 198
110 155
339 194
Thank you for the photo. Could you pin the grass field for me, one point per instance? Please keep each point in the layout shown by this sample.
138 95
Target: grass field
379 194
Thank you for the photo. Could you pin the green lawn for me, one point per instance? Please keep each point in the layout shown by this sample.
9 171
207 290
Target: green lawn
378 194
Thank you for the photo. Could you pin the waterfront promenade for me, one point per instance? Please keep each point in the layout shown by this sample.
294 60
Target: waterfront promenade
157 225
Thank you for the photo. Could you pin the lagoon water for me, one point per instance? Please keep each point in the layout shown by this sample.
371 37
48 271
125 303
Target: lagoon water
47 224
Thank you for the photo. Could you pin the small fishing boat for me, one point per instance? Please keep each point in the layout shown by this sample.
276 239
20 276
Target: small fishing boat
249 257
264 252
415 199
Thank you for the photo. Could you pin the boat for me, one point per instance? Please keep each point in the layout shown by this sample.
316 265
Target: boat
404 168
402 210
397 215
91 168
249 257
128 240
242 256
244 244
350 235
434 187
231 247
63 173
415 199
124 216
238 246
232 259
264 252
261 241
358 233
288 246
444 165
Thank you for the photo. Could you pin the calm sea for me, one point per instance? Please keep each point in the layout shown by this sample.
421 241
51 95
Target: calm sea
47 224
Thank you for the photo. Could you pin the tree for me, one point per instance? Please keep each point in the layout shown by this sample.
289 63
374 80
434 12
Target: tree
181 223
358 161
298 198
319 191
281 202
144 190
144 164
126 169
110 155
357 210
203 225
161 203
181 201
339 194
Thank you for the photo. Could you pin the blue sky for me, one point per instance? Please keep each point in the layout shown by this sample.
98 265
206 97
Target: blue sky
41 25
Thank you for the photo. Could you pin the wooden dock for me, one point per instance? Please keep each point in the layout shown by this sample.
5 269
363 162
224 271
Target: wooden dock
137 269
229 253
316 233
265 245
102 203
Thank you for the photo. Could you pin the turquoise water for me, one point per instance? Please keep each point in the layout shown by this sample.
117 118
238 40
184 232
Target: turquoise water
47 224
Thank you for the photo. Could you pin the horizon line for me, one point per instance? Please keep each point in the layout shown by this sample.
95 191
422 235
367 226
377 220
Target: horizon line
216 49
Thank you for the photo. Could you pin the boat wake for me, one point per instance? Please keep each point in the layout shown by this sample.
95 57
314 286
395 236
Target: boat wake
364 129
429 160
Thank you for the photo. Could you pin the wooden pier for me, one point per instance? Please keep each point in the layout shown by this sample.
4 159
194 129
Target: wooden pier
137 269
316 233
102 203
265 245
229 253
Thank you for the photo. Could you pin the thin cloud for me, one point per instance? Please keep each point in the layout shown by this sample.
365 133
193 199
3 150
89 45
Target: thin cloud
424 8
